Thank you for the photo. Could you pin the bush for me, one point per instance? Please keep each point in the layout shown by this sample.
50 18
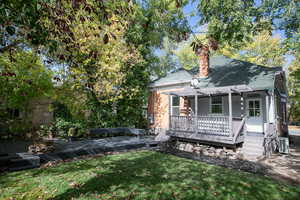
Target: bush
61 111
19 128
46 130
64 128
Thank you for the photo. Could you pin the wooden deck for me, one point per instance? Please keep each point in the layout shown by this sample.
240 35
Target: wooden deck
208 129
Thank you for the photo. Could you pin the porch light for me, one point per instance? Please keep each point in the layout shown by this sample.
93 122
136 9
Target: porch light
194 83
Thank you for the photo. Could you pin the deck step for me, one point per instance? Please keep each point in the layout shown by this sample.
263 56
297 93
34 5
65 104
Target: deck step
253 145
257 139
251 151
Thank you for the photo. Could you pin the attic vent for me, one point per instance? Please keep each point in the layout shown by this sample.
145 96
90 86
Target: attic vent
283 145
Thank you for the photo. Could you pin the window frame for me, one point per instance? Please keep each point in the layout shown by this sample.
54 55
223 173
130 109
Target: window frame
211 104
260 107
172 106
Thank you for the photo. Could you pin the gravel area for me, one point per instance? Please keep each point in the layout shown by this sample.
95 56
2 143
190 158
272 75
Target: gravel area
285 167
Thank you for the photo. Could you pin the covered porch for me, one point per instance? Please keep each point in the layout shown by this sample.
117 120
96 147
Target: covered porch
193 123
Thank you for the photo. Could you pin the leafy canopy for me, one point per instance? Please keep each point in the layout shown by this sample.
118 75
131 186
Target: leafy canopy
262 49
23 78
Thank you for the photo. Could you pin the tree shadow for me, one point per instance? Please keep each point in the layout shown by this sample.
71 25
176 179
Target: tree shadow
152 175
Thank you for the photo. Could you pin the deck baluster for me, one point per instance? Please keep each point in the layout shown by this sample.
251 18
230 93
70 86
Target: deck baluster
214 125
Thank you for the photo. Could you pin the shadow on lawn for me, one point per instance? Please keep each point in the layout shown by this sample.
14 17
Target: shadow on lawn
160 176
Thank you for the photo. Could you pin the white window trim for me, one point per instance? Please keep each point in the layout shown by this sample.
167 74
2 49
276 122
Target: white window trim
174 106
210 107
260 106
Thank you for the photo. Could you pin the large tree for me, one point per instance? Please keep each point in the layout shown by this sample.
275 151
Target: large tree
233 21
108 48
294 90
262 49
19 24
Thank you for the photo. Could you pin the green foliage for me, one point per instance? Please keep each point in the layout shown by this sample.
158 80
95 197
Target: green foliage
18 24
233 21
18 128
294 90
187 57
141 175
107 47
228 21
23 78
64 128
60 110
46 131
262 49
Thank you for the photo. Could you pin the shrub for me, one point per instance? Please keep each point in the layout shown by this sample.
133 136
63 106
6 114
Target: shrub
64 128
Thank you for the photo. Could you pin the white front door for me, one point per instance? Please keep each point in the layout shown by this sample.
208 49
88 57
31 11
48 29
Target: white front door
254 121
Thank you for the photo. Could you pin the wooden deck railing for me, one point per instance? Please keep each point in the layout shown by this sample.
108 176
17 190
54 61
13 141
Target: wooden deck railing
214 125
182 123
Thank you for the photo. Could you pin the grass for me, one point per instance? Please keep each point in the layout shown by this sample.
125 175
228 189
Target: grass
141 175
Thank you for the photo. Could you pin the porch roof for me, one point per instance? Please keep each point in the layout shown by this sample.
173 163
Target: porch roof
188 91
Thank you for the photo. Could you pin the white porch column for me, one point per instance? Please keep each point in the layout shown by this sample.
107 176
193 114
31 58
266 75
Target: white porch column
230 112
242 106
196 113
170 107
267 108
271 110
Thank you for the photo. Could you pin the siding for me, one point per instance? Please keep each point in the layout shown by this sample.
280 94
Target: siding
158 105
204 105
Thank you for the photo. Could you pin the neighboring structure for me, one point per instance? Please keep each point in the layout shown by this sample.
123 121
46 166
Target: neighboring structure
38 112
41 112
227 102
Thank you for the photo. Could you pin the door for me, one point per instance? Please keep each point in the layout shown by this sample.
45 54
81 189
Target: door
254 121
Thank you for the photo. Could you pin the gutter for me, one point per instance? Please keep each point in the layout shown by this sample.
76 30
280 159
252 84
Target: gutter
169 84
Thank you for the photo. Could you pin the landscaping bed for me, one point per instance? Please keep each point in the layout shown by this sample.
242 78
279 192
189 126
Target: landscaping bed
141 175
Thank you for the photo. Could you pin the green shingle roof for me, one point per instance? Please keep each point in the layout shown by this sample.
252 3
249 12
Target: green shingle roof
225 71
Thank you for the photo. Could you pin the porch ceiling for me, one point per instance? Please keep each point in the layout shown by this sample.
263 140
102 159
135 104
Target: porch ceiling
211 91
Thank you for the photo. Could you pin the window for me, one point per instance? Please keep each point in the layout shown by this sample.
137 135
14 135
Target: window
216 105
254 108
175 105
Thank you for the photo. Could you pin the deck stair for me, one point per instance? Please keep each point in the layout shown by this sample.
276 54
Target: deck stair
253 145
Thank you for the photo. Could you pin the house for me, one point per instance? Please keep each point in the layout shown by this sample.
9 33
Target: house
222 101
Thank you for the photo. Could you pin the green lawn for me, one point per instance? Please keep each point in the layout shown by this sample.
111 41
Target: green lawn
141 175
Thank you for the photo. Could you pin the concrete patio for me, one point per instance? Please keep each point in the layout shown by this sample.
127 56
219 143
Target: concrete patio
64 150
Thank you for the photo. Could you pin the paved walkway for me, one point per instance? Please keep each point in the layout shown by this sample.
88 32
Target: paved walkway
294 132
